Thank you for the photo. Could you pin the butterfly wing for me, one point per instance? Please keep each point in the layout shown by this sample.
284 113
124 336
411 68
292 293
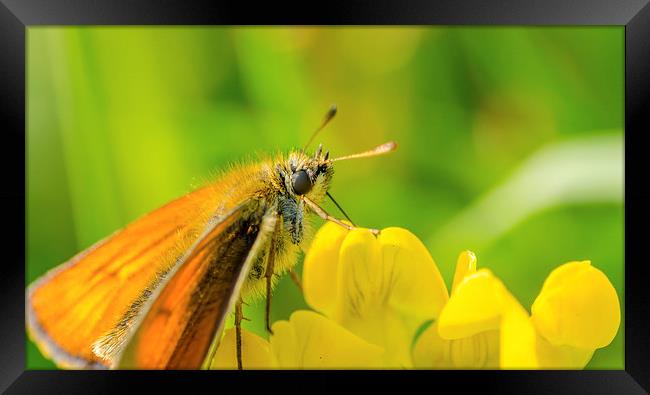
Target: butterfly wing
77 302
186 314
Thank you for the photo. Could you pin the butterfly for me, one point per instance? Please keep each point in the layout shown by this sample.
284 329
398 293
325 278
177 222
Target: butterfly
156 294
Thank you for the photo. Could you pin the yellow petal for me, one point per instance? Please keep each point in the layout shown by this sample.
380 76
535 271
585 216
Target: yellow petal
388 286
361 280
522 347
480 351
320 268
393 269
561 357
476 306
518 340
284 345
256 352
389 331
465 266
577 307
309 340
417 288
431 351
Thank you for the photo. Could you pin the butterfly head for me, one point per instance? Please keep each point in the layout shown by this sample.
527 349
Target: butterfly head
308 175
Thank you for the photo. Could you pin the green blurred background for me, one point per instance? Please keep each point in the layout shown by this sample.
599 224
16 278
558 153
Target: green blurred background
510 139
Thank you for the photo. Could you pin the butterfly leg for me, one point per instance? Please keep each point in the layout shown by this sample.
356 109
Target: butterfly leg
296 279
327 217
238 318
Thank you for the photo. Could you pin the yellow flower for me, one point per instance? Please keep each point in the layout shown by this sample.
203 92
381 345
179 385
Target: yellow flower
484 326
373 293
256 352
381 288
307 340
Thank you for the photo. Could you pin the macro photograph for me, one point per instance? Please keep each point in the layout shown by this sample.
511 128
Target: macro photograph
403 197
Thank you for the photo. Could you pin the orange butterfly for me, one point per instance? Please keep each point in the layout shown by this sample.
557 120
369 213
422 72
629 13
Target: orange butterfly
155 295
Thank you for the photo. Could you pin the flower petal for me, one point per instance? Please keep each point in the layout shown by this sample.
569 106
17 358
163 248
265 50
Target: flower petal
522 347
577 307
320 268
480 351
284 345
561 357
431 350
309 340
476 306
361 280
465 266
393 269
388 286
388 330
417 288
256 352
518 340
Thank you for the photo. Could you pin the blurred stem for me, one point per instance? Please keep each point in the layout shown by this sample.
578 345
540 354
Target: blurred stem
588 170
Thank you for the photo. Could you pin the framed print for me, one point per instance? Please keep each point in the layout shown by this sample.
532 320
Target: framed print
449 193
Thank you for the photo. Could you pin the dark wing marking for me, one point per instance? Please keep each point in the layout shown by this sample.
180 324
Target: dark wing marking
188 311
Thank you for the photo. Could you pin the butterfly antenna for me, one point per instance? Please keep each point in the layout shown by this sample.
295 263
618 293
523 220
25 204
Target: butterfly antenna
379 150
340 208
328 117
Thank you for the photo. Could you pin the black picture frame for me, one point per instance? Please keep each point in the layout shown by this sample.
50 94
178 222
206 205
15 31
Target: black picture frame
18 15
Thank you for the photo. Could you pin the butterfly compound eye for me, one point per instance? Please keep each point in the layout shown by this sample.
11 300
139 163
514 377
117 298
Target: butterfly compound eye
301 182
